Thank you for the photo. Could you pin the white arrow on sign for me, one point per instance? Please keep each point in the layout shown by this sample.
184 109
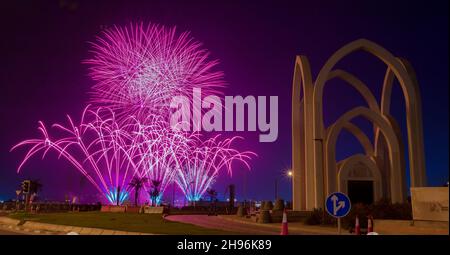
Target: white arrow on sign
341 204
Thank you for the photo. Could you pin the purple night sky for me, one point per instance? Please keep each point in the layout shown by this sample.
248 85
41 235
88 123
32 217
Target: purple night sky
42 77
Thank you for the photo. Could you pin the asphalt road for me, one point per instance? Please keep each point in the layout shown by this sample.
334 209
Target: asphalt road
215 222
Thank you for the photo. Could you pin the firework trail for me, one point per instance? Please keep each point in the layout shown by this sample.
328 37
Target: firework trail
204 162
97 149
157 150
138 71
105 152
139 68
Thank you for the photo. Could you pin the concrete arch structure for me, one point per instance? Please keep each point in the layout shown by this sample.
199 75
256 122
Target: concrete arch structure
415 136
362 168
396 183
358 85
413 114
314 164
361 137
302 158
304 178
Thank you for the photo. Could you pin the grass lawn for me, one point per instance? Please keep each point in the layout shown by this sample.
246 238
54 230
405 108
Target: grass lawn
147 223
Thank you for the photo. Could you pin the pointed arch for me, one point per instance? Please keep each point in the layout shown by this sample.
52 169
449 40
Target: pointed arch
347 165
416 153
302 157
413 113
361 137
396 182
358 85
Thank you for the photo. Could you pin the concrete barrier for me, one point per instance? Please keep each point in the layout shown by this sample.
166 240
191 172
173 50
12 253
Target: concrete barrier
133 209
113 208
154 210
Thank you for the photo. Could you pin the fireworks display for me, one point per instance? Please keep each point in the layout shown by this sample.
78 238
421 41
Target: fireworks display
126 133
97 147
204 163
140 68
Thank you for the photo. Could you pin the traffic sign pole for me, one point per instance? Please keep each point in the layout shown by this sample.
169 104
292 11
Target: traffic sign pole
339 226
338 205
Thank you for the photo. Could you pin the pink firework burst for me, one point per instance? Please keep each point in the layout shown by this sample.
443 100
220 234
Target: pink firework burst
158 151
139 68
97 147
108 154
203 162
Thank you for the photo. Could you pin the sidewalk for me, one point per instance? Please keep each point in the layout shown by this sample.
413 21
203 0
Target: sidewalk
382 227
294 227
12 225
38 228
407 227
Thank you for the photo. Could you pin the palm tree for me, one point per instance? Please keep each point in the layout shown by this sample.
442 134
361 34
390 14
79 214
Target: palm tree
118 196
137 183
212 205
35 186
212 194
154 193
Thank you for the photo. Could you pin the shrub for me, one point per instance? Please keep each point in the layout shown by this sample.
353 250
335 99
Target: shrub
315 218
318 216
264 217
382 209
279 205
263 204
241 211
268 205
288 205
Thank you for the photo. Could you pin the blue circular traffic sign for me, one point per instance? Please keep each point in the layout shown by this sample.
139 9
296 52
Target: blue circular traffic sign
338 204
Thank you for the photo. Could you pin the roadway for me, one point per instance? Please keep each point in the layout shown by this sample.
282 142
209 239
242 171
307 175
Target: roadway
215 222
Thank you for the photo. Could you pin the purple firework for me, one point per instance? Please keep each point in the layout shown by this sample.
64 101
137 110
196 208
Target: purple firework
110 155
203 162
138 71
139 68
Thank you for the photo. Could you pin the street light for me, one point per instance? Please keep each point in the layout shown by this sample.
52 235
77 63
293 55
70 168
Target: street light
323 179
287 173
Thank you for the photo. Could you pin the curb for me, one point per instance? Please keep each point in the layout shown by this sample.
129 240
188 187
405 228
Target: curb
9 221
54 229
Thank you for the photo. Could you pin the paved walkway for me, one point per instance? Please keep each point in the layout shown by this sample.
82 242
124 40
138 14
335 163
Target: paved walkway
236 225
215 222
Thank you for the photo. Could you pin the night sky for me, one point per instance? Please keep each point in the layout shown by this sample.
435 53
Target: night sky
42 77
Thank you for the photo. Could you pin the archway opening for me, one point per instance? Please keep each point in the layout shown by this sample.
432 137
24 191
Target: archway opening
361 191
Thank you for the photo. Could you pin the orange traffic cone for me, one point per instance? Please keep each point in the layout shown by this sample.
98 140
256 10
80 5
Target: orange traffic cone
357 227
369 224
284 224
